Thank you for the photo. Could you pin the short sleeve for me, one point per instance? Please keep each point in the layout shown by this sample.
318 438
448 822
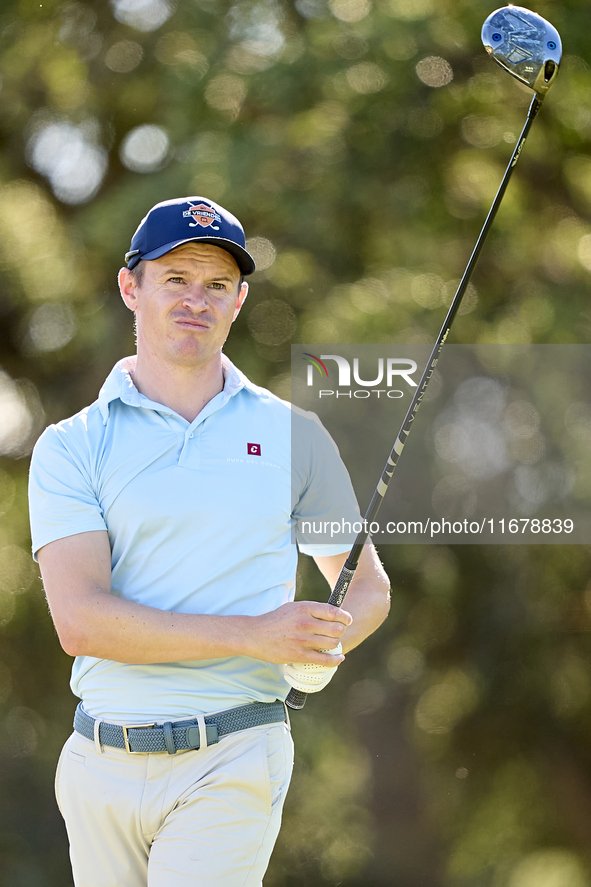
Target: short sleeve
325 509
62 501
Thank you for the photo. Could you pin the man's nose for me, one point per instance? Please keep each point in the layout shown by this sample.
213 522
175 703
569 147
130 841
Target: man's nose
195 296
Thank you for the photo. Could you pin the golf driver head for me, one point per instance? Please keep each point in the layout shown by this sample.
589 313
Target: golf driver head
525 44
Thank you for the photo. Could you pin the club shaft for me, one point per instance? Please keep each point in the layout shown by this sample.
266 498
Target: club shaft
380 491
296 699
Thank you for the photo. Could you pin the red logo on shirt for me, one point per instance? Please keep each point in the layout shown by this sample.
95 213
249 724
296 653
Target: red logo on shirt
253 449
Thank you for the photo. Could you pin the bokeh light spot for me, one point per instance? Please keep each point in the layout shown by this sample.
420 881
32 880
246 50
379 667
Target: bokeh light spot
482 132
226 93
262 251
69 157
584 252
178 48
434 71
521 419
311 9
578 421
292 268
143 15
369 295
366 77
17 570
549 868
444 704
16 420
52 326
45 258
257 26
427 290
468 433
272 322
469 299
124 56
406 665
144 149
350 10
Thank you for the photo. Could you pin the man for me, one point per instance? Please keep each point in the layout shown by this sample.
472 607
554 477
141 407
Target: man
162 518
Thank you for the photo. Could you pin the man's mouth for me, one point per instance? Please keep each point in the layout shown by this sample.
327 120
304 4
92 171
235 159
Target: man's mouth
193 322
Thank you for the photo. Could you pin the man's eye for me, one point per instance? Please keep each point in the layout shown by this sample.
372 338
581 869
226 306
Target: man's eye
218 286
175 280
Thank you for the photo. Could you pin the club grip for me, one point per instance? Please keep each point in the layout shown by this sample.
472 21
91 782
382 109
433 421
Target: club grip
341 587
296 699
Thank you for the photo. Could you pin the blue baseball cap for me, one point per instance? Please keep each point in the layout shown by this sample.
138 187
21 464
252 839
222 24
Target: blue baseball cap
186 220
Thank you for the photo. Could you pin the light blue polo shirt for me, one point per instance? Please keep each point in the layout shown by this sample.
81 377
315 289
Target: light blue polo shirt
200 518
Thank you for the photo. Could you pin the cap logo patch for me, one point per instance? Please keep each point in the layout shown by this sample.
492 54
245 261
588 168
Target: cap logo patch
202 215
253 449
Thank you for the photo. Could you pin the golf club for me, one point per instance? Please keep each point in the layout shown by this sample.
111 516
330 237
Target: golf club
529 48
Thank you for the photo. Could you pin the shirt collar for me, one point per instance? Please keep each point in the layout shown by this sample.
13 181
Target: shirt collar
119 385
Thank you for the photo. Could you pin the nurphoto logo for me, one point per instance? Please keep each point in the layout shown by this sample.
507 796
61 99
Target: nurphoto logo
391 371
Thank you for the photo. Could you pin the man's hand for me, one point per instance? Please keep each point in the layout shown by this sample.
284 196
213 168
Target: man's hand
300 632
308 678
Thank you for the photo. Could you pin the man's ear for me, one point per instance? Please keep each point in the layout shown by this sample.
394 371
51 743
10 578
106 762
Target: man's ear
128 288
240 300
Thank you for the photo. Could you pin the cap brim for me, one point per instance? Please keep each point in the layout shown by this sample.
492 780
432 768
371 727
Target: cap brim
243 259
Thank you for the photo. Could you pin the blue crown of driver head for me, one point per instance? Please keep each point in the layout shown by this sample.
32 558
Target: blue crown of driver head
170 224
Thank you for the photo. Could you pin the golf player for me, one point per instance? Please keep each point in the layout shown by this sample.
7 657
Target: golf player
165 520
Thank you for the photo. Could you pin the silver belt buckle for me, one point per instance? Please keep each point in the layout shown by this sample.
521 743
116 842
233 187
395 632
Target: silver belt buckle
129 750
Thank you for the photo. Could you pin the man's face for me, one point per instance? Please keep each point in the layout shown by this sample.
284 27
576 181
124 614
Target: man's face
185 304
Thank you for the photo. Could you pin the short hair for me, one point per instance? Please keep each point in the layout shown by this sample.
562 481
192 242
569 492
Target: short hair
138 272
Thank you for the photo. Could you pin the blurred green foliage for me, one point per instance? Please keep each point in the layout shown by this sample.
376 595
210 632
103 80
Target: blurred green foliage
360 142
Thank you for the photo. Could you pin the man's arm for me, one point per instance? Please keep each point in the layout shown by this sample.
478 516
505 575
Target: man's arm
368 597
90 621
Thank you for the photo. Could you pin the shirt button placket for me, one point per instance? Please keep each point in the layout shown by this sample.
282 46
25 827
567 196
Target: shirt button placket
190 453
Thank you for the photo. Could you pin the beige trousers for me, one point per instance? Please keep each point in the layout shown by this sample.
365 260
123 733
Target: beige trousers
206 818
